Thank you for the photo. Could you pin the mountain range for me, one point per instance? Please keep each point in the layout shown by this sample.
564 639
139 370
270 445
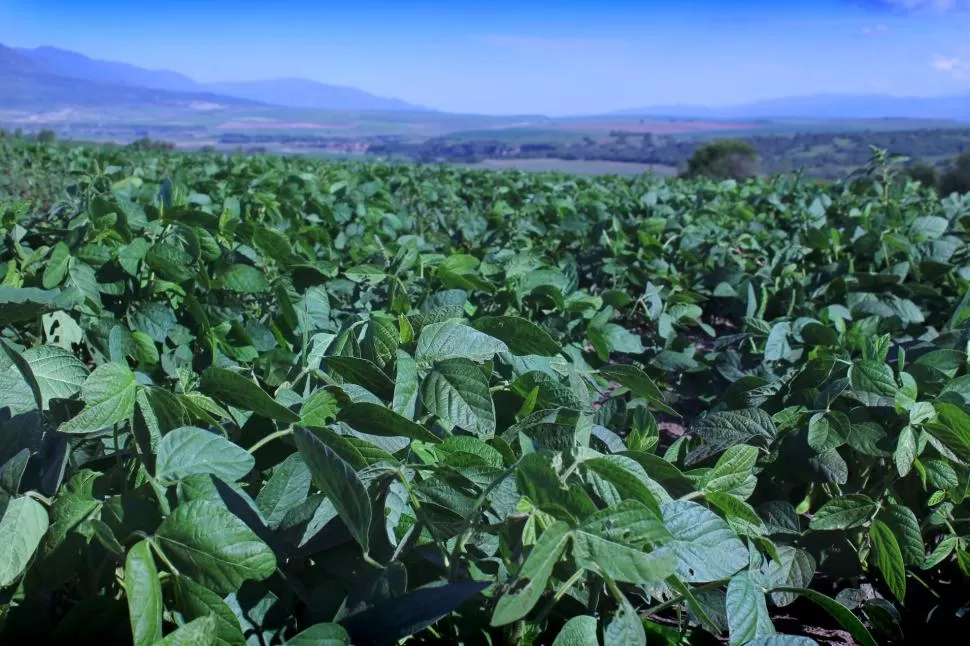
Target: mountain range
48 77
823 106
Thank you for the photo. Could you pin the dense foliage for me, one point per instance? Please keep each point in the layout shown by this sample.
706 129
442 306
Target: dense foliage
723 159
270 400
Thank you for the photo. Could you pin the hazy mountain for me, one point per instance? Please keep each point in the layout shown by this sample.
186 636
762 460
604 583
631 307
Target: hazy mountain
13 61
66 63
824 106
296 93
302 93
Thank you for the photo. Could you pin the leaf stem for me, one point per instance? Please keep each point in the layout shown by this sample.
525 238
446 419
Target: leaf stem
269 438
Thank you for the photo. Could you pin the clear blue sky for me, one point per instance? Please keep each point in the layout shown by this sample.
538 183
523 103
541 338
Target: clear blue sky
505 57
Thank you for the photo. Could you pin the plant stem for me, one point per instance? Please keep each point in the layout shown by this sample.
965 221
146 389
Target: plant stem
269 438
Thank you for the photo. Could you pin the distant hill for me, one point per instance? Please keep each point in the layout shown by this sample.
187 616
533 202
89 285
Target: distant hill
823 106
13 61
66 63
294 93
301 93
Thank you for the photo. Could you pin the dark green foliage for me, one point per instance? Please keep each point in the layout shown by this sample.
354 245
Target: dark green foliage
723 159
272 400
957 178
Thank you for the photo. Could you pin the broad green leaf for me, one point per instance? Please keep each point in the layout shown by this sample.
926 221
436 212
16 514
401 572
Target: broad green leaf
405 402
236 390
794 568
321 635
194 601
285 490
732 469
844 512
630 479
24 303
109 397
375 419
776 346
320 409
171 261
625 627
189 450
457 391
888 558
704 544
22 526
451 340
243 279
637 381
839 612
905 527
905 453
209 544
523 337
339 482
143 590
532 578
621 562
873 377
57 265
952 429
578 631
725 429
198 631
747 611
363 373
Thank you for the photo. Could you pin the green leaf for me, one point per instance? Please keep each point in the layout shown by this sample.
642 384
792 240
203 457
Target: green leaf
286 489
171 261
194 601
109 397
456 391
189 450
243 279
578 631
794 568
236 390
376 419
56 269
905 453
733 468
953 429
725 429
625 628
198 631
873 377
747 610
22 526
888 558
143 591
704 544
363 373
637 381
321 635
776 347
339 482
319 409
523 337
451 340
532 578
839 612
405 402
905 527
621 562
25 303
206 542
844 512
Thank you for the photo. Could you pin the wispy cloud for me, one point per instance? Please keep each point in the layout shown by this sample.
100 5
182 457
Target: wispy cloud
923 6
952 65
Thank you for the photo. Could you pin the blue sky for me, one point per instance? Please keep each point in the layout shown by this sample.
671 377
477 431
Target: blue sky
505 57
